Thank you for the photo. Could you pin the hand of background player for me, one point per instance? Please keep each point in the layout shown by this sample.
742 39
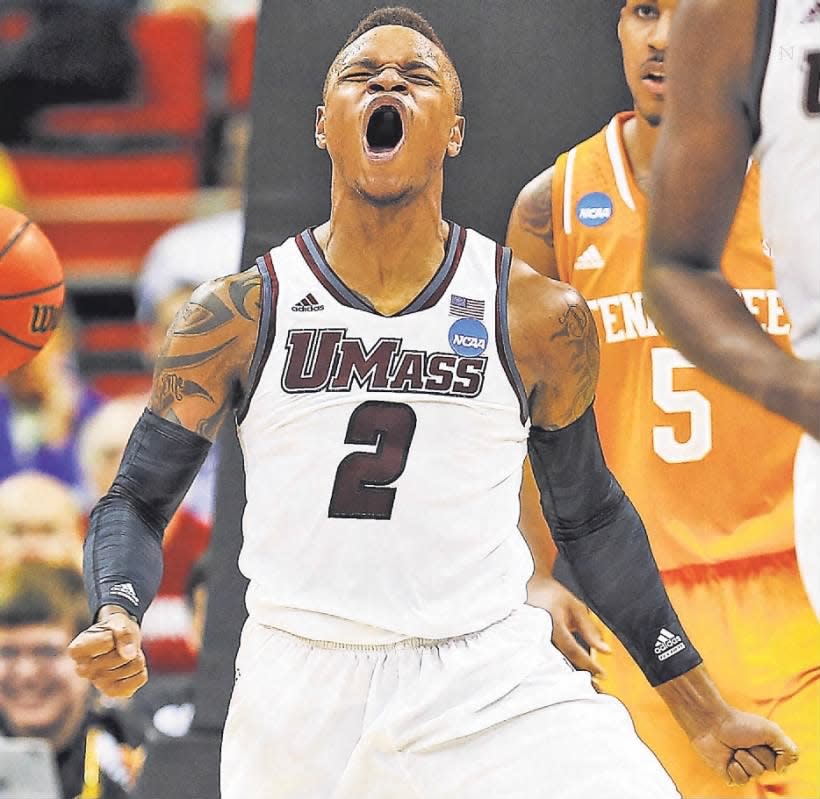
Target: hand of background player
569 615
742 746
109 653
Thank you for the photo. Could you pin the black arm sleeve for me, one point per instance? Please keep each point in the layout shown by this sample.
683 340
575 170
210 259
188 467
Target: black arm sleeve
598 531
122 562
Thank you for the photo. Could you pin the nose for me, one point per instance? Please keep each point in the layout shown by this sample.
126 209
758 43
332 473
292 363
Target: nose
660 33
26 668
388 80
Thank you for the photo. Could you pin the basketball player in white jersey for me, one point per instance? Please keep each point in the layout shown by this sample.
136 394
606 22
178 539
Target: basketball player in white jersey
744 78
388 370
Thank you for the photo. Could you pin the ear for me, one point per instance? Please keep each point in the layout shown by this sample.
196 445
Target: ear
620 22
319 132
456 141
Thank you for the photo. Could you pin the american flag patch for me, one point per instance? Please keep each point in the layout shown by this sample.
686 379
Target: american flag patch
463 306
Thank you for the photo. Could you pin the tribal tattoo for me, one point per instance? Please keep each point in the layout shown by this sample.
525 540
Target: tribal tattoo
534 209
202 370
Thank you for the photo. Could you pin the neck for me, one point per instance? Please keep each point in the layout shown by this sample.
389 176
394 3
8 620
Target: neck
640 139
387 255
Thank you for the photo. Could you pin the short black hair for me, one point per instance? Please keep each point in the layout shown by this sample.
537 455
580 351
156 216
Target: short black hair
40 593
405 18
396 15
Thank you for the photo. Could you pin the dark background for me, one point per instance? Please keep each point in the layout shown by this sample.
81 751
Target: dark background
538 76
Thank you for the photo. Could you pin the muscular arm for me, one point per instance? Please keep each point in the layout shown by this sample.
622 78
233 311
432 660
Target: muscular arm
600 534
201 373
530 229
698 174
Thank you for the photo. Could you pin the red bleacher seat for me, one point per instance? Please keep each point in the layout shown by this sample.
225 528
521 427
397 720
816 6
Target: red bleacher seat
44 173
109 336
116 384
14 25
241 48
173 59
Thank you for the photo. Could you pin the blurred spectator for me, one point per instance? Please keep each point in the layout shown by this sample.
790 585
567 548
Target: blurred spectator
217 11
167 626
11 194
165 706
200 250
200 497
42 608
77 51
42 405
39 521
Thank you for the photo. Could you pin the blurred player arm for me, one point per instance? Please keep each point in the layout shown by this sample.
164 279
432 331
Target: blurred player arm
698 175
530 228
202 374
598 531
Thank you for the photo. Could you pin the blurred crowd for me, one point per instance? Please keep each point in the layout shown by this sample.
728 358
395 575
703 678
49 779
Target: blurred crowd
62 436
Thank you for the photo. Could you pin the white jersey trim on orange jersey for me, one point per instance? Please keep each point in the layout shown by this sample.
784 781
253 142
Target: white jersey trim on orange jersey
568 191
616 157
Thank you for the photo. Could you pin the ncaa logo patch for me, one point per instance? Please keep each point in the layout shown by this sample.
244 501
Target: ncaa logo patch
468 337
594 209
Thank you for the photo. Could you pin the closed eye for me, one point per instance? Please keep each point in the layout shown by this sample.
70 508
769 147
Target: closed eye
423 79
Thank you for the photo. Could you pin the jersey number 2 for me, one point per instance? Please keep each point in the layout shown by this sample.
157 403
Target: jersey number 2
664 362
362 488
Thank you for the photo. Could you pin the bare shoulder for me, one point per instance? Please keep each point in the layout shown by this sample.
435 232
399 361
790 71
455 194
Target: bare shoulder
204 364
530 231
536 196
555 346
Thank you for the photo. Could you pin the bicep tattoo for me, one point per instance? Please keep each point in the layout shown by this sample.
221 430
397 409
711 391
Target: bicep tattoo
535 212
577 337
199 372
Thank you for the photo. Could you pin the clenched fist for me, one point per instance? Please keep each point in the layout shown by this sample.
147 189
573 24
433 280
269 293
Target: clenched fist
741 746
109 653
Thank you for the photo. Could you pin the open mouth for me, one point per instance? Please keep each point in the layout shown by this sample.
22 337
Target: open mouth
385 131
656 83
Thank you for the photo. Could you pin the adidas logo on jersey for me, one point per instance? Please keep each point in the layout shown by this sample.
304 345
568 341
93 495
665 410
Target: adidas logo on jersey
667 644
126 590
309 303
590 258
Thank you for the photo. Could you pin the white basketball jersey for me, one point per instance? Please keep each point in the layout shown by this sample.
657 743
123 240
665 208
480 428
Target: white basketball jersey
789 155
383 454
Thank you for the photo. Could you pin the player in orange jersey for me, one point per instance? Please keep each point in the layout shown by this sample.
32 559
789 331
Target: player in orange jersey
709 470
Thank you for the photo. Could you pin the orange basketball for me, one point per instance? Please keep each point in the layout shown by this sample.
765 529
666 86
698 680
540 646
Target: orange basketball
31 290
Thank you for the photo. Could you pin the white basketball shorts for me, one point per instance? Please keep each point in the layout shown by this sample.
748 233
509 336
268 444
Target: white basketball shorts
498 714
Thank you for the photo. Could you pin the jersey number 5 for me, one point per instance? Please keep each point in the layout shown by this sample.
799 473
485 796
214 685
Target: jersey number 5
362 488
664 362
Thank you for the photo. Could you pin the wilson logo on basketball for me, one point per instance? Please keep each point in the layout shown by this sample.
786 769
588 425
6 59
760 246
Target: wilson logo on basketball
44 318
